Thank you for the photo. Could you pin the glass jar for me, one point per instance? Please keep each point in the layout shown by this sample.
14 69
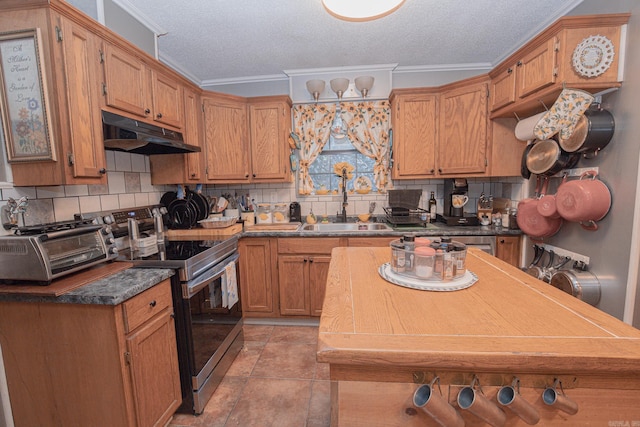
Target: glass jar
513 219
280 213
424 261
263 214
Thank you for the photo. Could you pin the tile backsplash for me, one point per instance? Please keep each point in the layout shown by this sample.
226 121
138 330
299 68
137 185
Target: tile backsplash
129 185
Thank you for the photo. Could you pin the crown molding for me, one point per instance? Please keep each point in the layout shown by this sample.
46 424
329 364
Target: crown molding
247 79
339 70
482 66
138 15
170 62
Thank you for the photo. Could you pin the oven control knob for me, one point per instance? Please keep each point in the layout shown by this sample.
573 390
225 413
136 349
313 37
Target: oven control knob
106 230
113 250
108 219
110 241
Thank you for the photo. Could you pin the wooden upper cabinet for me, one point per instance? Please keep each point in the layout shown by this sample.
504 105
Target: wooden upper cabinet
126 82
192 134
72 78
168 104
225 139
462 145
537 69
415 131
183 168
145 92
537 72
81 48
269 128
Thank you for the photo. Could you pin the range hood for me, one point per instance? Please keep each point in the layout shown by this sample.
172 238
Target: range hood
125 134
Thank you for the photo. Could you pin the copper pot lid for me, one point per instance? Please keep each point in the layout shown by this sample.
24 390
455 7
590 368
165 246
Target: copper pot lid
543 156
578 136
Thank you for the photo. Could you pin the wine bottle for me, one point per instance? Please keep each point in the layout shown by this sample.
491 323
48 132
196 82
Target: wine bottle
432 207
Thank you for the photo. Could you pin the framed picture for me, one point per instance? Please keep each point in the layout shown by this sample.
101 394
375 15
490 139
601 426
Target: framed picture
24 104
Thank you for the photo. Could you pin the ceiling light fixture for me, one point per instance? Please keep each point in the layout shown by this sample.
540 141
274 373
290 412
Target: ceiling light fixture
315 88
364 84
361 10
339 86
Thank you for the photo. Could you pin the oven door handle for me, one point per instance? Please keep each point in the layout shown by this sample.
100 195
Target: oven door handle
189 289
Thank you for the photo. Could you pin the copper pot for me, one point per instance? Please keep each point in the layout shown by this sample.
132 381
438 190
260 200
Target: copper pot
531 222
547 158
585 200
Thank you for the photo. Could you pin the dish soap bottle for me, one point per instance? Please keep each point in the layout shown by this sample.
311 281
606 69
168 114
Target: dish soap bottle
432 207
311 218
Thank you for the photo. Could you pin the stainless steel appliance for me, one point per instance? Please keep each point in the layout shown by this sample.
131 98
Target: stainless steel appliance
37 254
209 335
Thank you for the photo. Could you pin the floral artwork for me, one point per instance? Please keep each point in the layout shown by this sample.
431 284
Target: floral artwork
24 113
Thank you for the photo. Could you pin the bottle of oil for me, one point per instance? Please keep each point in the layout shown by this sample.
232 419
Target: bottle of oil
432 207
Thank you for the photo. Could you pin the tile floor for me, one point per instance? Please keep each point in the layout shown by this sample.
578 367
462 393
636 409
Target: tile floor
274 381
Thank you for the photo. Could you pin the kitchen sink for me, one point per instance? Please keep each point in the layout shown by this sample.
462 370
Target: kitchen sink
349 226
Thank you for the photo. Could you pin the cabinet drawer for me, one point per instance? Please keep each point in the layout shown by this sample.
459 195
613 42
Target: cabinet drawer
143 307
309 245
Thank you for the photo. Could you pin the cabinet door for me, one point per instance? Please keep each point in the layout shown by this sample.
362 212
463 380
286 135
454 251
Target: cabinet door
167 100
192 125
462 144
318 271
256 276
508 249
269 148
503 88
225 140
126 82
414 136
153 360
81 51
537 69
293 279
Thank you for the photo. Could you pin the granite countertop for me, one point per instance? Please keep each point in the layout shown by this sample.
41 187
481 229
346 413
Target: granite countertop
111 290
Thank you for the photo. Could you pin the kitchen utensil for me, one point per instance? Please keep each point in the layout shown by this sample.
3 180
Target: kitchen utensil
524 171
584 200
529 219
547 158
535 269
539 272
167 198
549 272
583 285
547 205
221 222
182 214
221 204
199 202
592 133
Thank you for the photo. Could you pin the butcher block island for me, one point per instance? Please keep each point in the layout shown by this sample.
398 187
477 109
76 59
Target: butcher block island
508 332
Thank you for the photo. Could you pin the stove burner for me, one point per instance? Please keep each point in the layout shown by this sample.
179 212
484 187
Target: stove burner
51 226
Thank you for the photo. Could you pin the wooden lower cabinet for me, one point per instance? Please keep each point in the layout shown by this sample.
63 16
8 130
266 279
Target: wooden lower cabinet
303 264
301 281
92 365
508 249
258 263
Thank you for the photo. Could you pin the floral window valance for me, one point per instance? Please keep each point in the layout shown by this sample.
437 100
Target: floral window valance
367 129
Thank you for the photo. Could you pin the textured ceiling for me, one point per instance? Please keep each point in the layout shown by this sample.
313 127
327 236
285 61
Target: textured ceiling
227 40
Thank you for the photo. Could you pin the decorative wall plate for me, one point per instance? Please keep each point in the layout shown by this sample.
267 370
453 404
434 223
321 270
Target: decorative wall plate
593 56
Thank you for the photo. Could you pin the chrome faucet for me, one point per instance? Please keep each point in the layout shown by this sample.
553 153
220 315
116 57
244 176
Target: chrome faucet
342 217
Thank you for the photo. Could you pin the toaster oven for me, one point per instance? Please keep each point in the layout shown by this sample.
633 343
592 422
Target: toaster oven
37 255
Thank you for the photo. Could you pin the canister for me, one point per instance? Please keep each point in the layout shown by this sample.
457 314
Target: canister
280 213
264 214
